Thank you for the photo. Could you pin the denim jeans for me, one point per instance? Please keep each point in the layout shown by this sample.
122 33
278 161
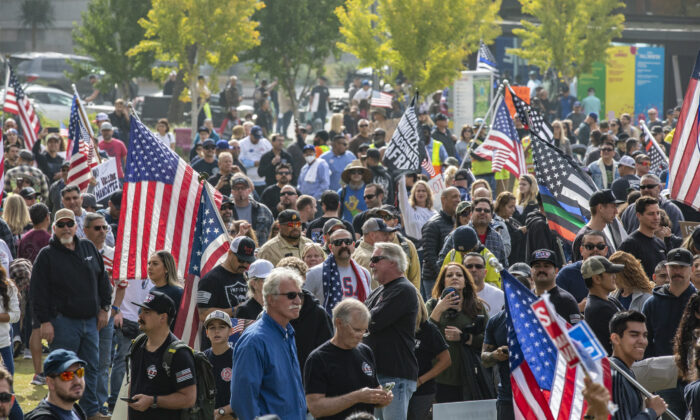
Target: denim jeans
403 391
105 362
118 365
80 336
7 359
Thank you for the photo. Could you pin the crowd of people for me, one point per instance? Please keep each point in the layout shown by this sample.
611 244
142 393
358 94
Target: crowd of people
364 294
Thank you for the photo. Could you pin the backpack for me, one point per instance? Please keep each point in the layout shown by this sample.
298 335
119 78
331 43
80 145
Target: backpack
204 375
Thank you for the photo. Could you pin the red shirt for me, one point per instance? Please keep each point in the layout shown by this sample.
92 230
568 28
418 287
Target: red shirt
116 149
482 238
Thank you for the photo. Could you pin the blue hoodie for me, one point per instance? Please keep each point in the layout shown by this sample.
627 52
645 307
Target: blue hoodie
663 311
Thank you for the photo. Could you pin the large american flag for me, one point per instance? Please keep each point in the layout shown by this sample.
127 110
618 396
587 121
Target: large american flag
159 210
83 156
532 119
544 387
485 60
381 99
657 157
17 103
209 248
502 145
684 173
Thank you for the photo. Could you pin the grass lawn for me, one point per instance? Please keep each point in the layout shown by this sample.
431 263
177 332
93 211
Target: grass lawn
28 395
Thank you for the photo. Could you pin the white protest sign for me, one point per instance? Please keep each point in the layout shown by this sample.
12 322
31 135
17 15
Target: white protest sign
437 184
107 180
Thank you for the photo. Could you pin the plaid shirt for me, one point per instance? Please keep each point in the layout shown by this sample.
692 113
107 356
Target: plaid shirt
40 185
494 243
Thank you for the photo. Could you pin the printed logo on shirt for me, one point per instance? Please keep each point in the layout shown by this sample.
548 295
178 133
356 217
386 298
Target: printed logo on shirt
88 258
367 369
417 343
183 375
151 371
226 374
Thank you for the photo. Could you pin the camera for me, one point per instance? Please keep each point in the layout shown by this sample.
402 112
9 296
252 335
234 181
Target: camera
475 328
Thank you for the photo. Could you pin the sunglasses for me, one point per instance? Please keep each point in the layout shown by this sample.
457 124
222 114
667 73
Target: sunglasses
364 125
291 295
377 258
475 266
288 193
293 224
6 397
648 187
70 374
99 228
590 247
643 163
344 241
370 196
482 210
236 147
607 149
209 147
356 172
69 223
283 173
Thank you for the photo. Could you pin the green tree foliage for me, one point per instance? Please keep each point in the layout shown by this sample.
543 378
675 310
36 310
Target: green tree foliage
193 33
427 40
36 14
296 37
107 32
568 35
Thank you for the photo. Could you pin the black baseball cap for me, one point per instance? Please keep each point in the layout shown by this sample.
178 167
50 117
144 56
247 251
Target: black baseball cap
159 302
27 193
601 197
244 248
679 256
288 215
59 360
543 255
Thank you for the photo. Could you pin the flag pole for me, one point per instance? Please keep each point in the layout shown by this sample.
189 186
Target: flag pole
86 123
639 387
491 107
651 138
130 105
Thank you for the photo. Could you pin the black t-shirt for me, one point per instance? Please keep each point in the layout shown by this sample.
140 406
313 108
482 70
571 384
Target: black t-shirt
315 229
221 288
496 334
226 189
221 366
323 95
429 343
598 314
333 371
565 305
650 251
202 166
250 309
148 377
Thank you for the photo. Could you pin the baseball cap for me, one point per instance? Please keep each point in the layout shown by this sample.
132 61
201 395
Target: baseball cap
441 117
239 180
227 202
59 360
391 210
601 197
627 161
696 237
218 315
363 146
462 206
223 145
209 143
27 192
594 116
464 239
106 126
26 155
365 82
520 269
376 224
116 198
159 302
101 117
203 128
260 269
373 154
462 175
256 131
543 255
90 201
597 265
64 214
244 248
330 224
577 103
288 215
620 189
679 256
309 147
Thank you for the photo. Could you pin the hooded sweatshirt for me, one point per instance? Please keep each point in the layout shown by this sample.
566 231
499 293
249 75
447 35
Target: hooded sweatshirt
312 328
663 311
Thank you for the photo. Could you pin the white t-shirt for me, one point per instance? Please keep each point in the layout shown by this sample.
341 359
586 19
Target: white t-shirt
493 296
167 139
253 152
348 281
362 94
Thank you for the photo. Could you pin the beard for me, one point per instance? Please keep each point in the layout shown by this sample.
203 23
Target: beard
65 240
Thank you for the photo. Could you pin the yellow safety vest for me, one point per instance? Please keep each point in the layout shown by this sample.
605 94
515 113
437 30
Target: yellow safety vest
437 165
321 150
481 166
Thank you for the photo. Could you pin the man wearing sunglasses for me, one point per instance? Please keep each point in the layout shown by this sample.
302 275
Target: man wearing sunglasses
569 278
475 263
339 277
71 297
374 196
65 373
272 195
650 186
208 164
289 242
604 170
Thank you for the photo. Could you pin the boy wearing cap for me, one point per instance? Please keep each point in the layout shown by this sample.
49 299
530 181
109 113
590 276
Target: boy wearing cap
289 242
114 147
218 328
64 377
599 275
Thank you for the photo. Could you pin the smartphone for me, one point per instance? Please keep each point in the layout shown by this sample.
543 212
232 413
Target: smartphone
127 399
388 386
53 130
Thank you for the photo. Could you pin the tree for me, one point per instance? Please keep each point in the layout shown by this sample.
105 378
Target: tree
296 37
35 14
193 33
107 32
568 35
427 40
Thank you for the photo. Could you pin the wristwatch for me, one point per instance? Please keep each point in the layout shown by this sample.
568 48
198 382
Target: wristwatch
221 412
107 308
155 402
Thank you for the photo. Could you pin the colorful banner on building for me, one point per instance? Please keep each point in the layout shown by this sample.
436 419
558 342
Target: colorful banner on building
619 81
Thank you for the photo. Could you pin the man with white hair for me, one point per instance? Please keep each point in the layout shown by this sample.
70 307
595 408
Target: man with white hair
266 376
340 376
393 307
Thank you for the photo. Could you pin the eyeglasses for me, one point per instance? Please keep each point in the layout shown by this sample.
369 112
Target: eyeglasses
356 172
387 217
648 186
69 223
482 210
99 228
590 247
370 196
70 374
363 125
288 193
607 149
475 266
209 147
6 397
283 173
344 241
291 295
293 224
377 258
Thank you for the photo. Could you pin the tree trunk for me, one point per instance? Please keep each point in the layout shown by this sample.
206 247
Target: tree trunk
194 109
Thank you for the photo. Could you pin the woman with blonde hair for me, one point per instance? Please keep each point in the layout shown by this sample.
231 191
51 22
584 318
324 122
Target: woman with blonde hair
336 126
527 197
480 183
416 209
16 215
560 139
633 286
313 255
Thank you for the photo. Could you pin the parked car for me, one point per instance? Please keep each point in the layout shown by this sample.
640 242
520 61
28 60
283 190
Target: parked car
53 70
55 104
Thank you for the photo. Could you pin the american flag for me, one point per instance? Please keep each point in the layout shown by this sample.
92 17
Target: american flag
159 210
659 161
381 99
485 60
684 173
239 325
17 102
564 187
502 145
544 387
209 248
428 168
532 119
82 158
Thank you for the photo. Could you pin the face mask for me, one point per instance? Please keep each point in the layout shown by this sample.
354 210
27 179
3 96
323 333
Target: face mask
309 159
